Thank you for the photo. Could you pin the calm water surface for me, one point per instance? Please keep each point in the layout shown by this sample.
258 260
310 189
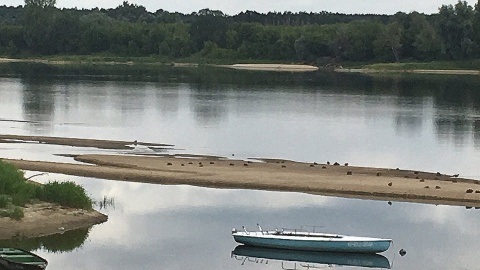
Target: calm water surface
415 122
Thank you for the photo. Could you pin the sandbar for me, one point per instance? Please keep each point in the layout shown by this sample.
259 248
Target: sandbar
340 180
276 175
79 142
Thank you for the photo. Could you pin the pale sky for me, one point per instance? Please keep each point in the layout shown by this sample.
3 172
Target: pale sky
233 7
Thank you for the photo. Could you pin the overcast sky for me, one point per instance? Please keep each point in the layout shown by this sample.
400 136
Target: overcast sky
232 7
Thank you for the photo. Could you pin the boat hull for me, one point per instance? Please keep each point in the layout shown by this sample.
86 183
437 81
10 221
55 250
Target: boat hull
363 245
19 259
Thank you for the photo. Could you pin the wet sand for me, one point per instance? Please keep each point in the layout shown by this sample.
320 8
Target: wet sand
77 142
278 175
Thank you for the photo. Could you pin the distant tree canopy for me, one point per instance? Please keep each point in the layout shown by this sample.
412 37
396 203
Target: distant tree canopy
38 28
40 3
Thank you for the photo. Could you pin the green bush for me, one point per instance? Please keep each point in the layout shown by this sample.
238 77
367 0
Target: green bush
17 213
13 212
3 201
24 193
19 192
67 194
10 178
5 213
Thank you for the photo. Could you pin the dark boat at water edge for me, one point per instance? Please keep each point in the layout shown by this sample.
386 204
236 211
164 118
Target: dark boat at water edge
19 259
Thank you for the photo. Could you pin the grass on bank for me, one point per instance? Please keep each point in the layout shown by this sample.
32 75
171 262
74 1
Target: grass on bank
434 65
215 56
212 55
16 192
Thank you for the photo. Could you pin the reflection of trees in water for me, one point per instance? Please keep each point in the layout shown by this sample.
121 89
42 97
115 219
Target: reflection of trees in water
38 102
58 243
455 98
457 129
167 100
409 107
209 105
476 133
456 105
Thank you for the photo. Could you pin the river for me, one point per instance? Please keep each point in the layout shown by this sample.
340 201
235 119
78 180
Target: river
418 122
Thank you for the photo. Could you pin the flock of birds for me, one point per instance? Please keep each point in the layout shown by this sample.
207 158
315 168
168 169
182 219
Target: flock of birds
349 172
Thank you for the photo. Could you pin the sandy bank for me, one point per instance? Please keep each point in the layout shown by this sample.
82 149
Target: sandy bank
47 219
416 71
274 67
371 183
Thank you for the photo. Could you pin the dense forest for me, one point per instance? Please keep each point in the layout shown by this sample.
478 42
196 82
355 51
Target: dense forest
39 28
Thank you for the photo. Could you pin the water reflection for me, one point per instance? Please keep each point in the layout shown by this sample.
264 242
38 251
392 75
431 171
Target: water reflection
106 204
47 87
39 103
210 105
58 243
308 259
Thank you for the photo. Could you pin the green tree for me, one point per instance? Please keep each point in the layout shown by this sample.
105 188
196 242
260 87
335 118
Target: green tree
427 44
476 29
360 40
209 25
388 42
40 3
455 26
38 19
95 31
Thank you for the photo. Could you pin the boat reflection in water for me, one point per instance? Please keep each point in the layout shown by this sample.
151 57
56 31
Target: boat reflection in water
305 259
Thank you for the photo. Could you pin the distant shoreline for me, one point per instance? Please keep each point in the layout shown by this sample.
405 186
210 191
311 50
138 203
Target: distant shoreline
392 69
415 71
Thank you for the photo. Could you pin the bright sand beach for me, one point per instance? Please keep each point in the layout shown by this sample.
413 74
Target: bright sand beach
275 67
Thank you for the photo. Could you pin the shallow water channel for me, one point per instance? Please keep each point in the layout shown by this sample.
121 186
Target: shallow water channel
416 122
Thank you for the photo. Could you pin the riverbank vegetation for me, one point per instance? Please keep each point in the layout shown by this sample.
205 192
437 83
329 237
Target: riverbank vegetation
16 192
40 29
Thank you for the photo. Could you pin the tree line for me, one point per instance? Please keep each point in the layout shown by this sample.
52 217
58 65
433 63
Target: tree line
39 28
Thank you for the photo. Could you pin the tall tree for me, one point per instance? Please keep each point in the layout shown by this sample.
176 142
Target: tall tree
389 42
38 19
209 25
40 3
476 29
455 26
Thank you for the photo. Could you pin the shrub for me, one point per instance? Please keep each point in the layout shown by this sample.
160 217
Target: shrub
67 194
24 193
10 178
5 213
3 201
17 213
21 192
